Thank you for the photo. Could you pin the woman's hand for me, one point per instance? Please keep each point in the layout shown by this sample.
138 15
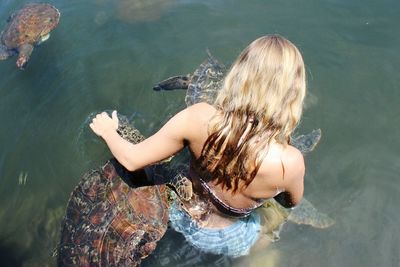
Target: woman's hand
102 124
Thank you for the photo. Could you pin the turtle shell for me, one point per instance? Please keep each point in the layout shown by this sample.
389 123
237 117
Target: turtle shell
306 213
30 24
205 82
115 217
109 223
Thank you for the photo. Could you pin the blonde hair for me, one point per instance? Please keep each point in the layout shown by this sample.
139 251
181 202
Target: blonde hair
261 100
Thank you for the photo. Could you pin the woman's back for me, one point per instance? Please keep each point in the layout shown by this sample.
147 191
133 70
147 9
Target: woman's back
282 169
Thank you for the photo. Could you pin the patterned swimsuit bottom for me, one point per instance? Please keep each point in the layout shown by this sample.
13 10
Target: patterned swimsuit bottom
234 240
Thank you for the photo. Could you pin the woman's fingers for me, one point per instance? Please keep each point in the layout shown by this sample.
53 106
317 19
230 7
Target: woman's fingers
102 123
114 117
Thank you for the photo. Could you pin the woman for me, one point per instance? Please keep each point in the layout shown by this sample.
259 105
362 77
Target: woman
240 151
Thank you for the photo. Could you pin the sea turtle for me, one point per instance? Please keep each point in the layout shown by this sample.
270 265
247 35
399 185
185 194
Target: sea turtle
115 217
132 11
27 27
203 86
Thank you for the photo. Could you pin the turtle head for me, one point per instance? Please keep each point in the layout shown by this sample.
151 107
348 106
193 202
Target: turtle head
176 82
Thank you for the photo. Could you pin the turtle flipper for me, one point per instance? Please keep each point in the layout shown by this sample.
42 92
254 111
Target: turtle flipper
273 216
25 52
175 82
44 38
306 213
176 177
182 186
5 52
306 142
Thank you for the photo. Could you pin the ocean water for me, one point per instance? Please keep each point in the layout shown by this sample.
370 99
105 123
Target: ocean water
108 55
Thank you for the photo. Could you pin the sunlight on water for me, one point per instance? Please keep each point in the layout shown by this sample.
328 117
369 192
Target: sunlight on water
107 55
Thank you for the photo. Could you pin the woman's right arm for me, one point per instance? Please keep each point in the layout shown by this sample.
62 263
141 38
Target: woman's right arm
164 143
170 139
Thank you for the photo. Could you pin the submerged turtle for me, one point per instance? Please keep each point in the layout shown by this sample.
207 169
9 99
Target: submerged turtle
27 27
203 86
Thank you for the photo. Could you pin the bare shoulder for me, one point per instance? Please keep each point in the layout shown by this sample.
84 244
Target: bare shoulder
287 159
200 114
198 117
193 115
293 161
201 109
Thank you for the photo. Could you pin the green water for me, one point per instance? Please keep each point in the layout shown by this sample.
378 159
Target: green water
108 54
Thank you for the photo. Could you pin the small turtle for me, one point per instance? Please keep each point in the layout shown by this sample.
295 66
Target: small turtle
27 27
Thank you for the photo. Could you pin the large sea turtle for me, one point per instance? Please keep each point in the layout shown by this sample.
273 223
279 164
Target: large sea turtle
115 217
27 27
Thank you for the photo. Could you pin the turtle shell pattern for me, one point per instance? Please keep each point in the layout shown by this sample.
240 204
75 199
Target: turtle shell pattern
29 24
109 221
205 82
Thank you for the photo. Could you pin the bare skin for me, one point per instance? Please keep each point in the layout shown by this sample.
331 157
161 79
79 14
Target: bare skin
281 170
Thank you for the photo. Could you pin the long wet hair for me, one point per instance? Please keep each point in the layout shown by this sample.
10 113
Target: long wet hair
261 100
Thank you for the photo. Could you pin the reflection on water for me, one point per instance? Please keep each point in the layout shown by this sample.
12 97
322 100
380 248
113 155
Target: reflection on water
96 62
133 11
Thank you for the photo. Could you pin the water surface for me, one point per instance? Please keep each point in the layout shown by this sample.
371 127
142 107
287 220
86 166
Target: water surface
108 54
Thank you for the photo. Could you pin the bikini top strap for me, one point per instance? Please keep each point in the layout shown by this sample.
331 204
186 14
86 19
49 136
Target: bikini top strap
222 206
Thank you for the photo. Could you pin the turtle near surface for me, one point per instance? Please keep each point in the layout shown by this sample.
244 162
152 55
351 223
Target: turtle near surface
115 217
201 86
108 223
26 28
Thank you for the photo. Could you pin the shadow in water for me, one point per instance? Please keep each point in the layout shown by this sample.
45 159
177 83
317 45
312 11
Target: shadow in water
9 256
174 250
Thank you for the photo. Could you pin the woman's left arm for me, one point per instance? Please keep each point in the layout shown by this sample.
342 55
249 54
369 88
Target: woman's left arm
166 142
294 179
